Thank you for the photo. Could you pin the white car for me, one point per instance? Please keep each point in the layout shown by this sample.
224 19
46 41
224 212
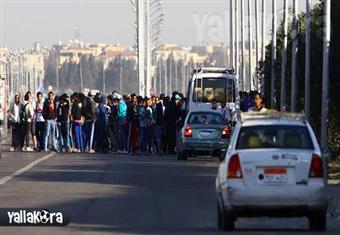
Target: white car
273 167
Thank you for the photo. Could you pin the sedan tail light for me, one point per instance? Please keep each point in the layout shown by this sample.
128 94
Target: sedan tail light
234 168
316 167
187 131
226 133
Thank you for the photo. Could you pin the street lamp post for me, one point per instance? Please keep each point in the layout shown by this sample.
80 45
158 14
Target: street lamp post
325 75
273 76
236 40
243 46
307 60
294 57
284 58
232 65
250 34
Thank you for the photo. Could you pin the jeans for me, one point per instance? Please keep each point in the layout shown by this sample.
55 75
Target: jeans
144 139
78 136
39 133
50 129
16 132
64 134
89 131
123 137
26 134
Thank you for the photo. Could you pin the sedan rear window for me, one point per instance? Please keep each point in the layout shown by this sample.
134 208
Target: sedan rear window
274 136
205 119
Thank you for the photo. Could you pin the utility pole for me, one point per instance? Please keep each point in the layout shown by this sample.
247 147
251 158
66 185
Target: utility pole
243 47
325 75
170 74
57 72
232 65
257 32
166 80
148 48
81 74
284 58
273 76
294 58
307 60
160 74
250 34
140 4
236 41
103 74
176 75
263 53
121 75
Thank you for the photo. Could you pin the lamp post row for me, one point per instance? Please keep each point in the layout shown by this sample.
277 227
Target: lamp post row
238 62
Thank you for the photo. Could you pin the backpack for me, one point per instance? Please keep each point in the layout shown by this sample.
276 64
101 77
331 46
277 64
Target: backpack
24 116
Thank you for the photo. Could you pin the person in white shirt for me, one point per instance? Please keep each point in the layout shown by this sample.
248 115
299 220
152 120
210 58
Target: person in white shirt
257 104
14 120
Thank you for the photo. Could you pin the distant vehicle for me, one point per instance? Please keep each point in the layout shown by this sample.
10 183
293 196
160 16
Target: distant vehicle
273 167
212 84
204 133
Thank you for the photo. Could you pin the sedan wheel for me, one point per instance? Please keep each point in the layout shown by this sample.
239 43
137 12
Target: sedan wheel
225 220
318 221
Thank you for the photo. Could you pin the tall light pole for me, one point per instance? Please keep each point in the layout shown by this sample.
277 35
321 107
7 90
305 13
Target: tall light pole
294 57
148 81
236 41
166 80
81 74
243 47
121 75
325 75
103 77
307 59
140 5
57 71
250 34
231 49
273 76
284 58
257 31
263 52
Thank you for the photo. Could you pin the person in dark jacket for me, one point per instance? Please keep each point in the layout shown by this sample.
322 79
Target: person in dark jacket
133 122
90 118
50 116
113 123
172 115
63 120
159 123
77 122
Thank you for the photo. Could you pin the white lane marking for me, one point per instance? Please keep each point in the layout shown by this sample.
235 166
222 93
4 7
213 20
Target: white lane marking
26 168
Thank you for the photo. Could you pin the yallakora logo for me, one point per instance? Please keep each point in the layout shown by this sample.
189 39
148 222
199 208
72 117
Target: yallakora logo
35 217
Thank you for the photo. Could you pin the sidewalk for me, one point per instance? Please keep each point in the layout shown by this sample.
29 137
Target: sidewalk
334 189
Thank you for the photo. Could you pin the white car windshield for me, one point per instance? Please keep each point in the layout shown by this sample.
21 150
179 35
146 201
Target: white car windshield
274 136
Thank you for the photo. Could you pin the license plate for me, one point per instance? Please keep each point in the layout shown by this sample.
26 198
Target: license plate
275 179
207 134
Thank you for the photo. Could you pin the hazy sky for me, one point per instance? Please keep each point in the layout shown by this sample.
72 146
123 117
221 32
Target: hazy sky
187 22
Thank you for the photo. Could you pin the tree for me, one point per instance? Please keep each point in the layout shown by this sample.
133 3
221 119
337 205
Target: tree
316 70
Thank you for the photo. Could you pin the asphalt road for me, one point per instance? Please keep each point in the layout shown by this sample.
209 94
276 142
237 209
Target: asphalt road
111 194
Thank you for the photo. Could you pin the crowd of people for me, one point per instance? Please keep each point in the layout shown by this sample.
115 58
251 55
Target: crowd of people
98 123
